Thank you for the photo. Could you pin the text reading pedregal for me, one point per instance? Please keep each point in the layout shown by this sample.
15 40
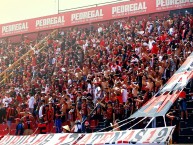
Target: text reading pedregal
164 3
129 8
50 21
87 15
15 27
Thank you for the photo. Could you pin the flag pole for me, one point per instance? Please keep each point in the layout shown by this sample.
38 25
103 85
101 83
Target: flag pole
149 122
164 117
137 123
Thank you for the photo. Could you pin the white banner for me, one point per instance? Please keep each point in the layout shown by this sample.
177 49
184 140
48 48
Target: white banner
138 136
40 139
152 136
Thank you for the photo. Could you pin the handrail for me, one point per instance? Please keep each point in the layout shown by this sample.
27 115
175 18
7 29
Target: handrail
8 75
93 110
42 42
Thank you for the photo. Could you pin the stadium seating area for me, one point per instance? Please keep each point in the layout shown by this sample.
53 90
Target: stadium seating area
112 69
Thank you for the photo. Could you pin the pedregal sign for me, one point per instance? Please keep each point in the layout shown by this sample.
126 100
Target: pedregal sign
87 16
50 22
127 9
164 4
14 28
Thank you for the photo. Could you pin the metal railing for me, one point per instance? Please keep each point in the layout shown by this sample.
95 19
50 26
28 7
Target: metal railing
8 72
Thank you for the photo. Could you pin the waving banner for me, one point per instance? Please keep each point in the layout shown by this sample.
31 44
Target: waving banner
149 136
159 104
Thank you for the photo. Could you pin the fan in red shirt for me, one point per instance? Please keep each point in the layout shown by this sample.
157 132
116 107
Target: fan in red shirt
42 125
154 49
29 123
162 37
10 114
49 110
183 104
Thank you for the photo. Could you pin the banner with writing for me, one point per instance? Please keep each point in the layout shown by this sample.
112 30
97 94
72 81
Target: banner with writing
149 136
138 136
159 104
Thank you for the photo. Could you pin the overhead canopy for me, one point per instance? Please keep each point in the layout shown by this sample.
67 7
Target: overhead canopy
159 104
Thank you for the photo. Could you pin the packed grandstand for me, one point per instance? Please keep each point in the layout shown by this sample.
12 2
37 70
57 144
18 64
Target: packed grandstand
93 77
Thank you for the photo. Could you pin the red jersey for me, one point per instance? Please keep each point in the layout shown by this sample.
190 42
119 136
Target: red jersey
117 109
10 113
28 122
34 61
84 109
182 94
42 128
120 98
110 113
50 114
154 49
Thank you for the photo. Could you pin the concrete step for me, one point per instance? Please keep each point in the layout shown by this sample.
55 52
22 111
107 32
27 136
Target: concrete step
185 139
186 124
186 131
100 123
190 104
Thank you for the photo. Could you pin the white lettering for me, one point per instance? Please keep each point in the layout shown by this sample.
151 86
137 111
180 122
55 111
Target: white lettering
129 8
50 21
164 3
15 27
87 15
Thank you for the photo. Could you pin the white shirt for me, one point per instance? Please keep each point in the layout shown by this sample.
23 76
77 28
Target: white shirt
53 60
100 29
62 33
113 68
41 111
150 44
58 50
150 28
77 126
31 102
69 81
89 88
6 101
138 51
94 42
97 92
124 95
171 31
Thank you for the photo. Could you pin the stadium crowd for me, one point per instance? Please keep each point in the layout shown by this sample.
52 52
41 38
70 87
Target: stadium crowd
113 67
